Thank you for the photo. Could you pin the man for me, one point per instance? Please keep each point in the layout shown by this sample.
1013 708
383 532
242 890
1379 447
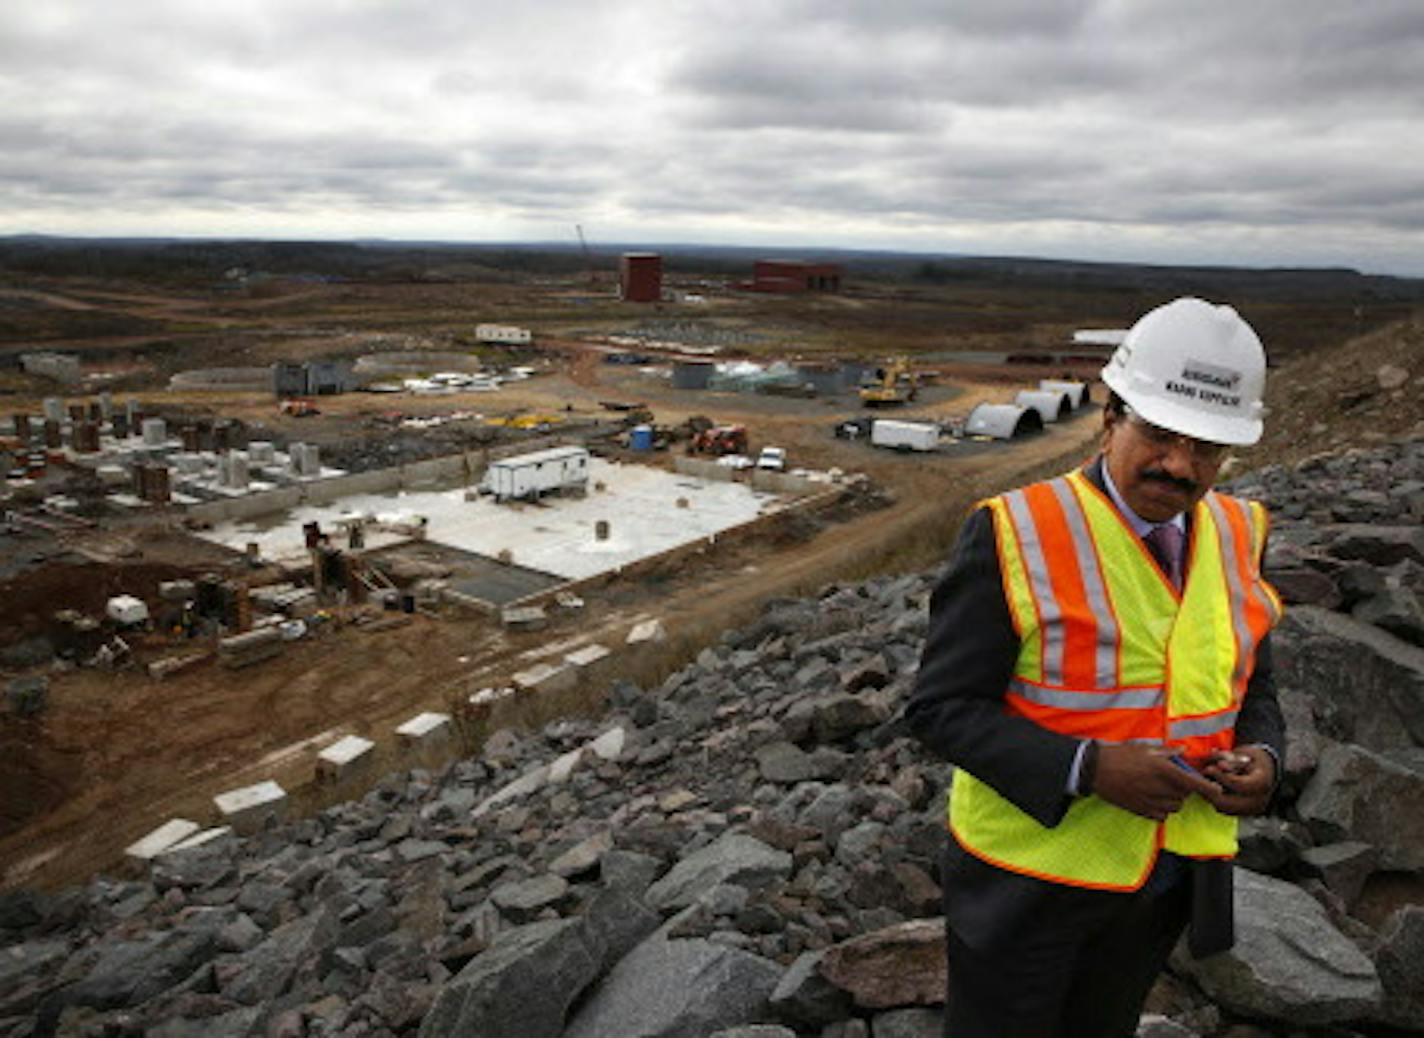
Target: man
1097 668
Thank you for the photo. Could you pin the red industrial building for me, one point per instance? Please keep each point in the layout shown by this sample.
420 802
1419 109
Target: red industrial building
640 277
794 276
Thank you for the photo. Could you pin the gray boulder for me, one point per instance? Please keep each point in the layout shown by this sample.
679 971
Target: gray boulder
1397 611
269 969
1368 686
520 987
908 1023
1342 867
1359 795
1289 963
27 972
1400 961
735 858
1378 545
805 997
129 973
676 989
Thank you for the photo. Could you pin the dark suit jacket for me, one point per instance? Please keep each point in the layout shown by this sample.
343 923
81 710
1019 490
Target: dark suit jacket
957 711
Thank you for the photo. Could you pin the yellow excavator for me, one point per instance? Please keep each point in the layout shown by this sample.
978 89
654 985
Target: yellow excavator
893 384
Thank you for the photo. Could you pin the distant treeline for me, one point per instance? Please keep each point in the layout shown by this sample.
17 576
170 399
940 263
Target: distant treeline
197 261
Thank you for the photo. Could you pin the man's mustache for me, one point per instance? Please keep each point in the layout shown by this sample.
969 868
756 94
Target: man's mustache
1187 486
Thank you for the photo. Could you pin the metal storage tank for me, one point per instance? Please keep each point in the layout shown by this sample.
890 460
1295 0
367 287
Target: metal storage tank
1002 421
640 277
1051 405
640 438
1078 392
692 374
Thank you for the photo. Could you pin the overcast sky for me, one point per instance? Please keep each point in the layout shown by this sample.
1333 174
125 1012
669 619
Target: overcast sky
1245 132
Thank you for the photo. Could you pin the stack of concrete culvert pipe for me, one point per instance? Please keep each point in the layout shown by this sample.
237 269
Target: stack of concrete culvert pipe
1050 404
1002 421
1079 393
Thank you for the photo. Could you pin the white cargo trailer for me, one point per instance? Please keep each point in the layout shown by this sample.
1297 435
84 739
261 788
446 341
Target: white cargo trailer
905 436
542 472
503 333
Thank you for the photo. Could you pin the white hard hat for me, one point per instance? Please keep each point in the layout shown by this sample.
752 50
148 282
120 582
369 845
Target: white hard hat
1194 368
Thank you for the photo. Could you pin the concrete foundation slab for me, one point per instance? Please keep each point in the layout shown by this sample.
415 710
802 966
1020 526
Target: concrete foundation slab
163 838
248 809
425 729
343 756
557 536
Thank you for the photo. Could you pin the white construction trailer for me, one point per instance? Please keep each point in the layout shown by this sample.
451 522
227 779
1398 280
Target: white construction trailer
530 476
904 436
1050 404
507 334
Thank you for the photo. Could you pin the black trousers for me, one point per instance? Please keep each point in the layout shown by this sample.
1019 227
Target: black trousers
1082 970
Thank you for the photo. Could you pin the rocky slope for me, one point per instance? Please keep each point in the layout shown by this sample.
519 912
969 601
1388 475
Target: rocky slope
750 849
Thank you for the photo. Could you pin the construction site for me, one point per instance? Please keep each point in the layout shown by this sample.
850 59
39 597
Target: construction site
399 515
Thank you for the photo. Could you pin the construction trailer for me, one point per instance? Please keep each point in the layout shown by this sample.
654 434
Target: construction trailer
529 476
504 334
904 436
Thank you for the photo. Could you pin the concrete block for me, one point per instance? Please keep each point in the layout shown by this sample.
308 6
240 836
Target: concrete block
425 729
582 659
248 809
546 677
647 631
524 618
171 832
343 756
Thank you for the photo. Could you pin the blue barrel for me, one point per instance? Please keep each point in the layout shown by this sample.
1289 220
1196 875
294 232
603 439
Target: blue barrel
640 438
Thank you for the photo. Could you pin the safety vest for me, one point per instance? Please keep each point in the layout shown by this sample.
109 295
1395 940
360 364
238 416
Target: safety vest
1110 650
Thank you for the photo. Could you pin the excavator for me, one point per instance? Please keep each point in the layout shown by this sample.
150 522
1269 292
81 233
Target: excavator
893 384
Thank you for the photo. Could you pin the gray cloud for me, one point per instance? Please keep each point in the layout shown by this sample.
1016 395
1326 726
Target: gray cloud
1148 129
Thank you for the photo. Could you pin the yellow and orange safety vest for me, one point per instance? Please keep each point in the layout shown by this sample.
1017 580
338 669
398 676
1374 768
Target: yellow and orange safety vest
1110 650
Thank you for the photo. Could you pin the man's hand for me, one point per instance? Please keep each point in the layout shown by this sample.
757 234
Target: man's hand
1245 778
1144 780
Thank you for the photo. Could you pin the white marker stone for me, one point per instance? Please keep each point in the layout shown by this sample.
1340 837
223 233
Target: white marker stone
546 677
647 631
247 809
161 839
424 728
587 656
343 755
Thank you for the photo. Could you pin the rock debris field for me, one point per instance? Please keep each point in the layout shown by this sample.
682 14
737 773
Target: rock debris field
751 848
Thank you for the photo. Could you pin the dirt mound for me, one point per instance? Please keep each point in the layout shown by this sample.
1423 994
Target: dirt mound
1368 391
28 602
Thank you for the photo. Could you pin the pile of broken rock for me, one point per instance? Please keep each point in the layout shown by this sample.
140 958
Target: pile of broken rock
751 849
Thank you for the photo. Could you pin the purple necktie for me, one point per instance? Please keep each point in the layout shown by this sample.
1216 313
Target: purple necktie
1165 541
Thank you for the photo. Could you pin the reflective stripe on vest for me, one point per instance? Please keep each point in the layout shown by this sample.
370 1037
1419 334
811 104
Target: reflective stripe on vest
1110 650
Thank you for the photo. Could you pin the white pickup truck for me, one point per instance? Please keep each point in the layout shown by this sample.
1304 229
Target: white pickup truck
773 458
